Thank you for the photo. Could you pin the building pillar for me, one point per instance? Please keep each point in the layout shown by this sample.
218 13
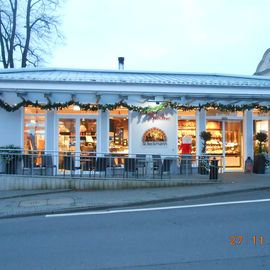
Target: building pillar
103 132
248 135
200 126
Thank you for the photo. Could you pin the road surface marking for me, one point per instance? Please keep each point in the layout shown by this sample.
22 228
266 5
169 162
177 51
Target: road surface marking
155 208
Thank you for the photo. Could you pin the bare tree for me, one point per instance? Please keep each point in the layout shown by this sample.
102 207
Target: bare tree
27 29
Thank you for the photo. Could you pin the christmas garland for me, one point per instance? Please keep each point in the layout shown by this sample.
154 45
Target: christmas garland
142 110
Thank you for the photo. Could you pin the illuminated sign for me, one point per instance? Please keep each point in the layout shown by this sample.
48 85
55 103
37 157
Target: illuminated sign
154 136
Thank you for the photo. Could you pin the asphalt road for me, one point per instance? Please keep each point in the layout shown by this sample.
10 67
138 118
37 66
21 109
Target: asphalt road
233 236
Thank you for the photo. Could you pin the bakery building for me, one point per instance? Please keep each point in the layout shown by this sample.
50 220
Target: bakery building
127 112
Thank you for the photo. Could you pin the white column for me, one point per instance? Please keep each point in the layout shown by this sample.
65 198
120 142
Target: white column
248 134
50 138
200 126
103 132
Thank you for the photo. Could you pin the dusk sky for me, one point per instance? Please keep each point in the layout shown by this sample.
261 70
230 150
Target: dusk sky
216 36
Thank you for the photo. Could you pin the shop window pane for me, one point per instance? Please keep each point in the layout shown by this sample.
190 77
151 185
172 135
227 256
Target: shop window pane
33 110
186 113
213 112
67 135
187 135
88 138
118 134
260 113
75 110
214 146
261 126
119 111
233 138
34 132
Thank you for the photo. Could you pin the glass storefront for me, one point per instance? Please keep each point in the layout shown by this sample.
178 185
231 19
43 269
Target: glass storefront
261 126
34 132
227 137
118 132
68 136
34 129
186 131
215 145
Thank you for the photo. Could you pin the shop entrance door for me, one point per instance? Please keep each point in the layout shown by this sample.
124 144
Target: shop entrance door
233 137
226 141
76 137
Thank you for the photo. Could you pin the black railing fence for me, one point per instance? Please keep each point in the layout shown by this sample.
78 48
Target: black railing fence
104 165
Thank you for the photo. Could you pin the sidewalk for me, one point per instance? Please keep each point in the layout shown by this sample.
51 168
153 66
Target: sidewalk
38 202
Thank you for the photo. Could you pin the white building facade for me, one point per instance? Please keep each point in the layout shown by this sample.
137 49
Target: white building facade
126 112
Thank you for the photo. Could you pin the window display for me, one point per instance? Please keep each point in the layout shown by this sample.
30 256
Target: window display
88 139
118 135
34 129
186 130
67 135
214 146
227 141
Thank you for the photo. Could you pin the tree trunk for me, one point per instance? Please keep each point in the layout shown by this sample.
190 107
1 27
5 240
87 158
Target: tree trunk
28 35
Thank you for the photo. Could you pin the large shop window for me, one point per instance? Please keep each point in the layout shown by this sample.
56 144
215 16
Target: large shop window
34 132
118 133
214 146
186 137
68 136
34 129
226 140
261 126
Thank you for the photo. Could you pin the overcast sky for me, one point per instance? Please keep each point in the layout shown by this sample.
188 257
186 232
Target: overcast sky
217 36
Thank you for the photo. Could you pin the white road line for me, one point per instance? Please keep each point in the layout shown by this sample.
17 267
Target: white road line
155 208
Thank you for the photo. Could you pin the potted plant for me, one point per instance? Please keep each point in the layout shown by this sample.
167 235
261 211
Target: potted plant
259 159
10 155
203 160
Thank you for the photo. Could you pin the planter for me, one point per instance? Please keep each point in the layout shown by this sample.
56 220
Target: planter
259 164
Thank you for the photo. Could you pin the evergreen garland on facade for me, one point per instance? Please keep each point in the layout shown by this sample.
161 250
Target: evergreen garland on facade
139 109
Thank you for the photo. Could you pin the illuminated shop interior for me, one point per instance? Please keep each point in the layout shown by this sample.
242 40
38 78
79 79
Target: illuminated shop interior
118 131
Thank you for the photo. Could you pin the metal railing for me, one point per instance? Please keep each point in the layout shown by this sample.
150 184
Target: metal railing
107 165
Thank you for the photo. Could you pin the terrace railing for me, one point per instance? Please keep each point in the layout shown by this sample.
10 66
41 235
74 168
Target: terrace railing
107 165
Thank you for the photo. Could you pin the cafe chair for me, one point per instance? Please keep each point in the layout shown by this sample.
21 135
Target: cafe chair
166 167
130 167
69 164
101 166
88 163
157 164
27 164
47 165
141 163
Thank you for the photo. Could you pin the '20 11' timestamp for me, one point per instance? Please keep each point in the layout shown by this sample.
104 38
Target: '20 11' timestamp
238 240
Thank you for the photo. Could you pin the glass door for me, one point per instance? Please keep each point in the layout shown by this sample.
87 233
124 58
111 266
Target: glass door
88 138
76 138
233 144
66 143
226 141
